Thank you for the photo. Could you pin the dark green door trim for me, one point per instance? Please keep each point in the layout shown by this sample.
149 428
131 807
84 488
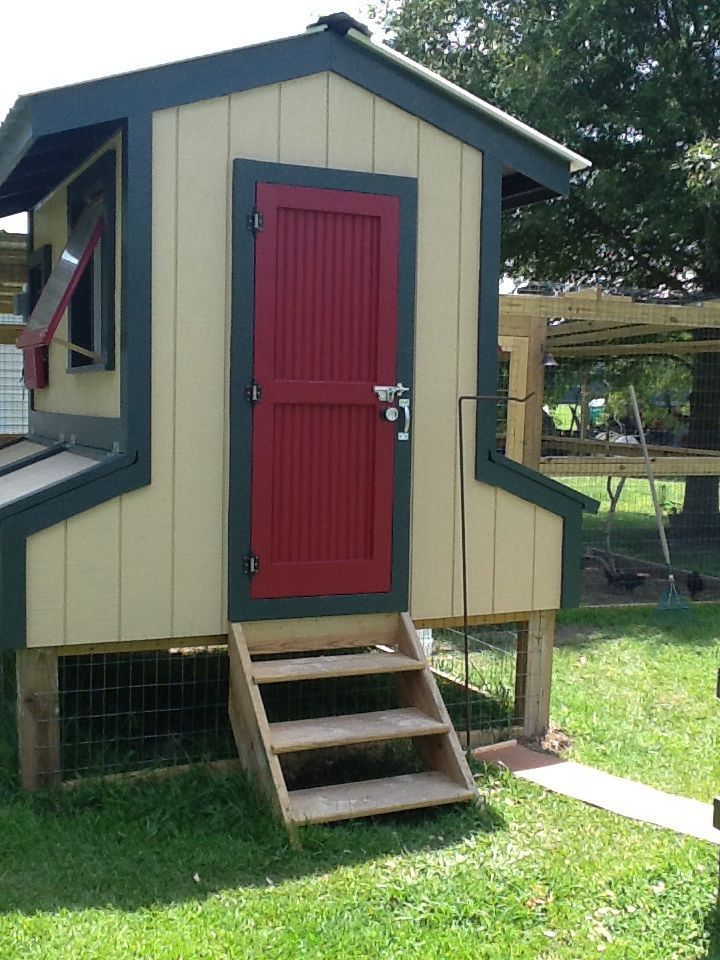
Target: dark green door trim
246 174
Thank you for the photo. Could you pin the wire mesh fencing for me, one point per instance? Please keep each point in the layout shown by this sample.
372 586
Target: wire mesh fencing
114 713
13 395
491 703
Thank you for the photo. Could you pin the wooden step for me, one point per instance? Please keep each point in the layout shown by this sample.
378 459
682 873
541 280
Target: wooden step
291 736
342 665
343 801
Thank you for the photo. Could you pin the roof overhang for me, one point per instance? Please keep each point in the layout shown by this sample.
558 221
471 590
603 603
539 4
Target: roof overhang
49 134
33 164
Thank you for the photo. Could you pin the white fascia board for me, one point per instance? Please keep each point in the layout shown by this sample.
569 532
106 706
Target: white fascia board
575 161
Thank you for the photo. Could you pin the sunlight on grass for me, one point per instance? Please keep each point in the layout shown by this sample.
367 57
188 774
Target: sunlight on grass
195 868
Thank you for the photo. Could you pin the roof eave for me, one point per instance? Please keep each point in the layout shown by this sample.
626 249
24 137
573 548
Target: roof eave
575 161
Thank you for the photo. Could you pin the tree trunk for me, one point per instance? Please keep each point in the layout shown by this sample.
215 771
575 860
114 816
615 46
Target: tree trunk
700 506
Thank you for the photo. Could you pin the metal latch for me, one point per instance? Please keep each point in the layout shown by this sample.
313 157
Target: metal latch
387 394
251 565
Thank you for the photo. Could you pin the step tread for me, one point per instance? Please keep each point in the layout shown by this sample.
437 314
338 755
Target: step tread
343 801
342 665
292 735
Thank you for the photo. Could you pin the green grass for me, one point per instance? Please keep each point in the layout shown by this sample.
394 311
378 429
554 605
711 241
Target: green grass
634 530
195 868
654 715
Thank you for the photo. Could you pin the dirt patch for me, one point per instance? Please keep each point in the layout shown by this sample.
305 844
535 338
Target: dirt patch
595 590
555 741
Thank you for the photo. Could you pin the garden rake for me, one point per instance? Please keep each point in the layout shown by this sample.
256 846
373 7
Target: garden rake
670 602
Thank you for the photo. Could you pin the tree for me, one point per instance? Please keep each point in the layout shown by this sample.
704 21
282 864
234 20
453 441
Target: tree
634 85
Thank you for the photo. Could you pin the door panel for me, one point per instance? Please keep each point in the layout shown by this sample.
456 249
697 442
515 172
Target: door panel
325 332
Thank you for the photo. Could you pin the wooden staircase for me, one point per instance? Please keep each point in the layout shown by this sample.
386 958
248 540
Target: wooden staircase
390 646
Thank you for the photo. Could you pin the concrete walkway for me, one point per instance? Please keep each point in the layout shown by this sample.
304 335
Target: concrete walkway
624 797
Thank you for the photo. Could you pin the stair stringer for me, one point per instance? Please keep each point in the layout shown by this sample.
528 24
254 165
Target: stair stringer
251 728
419 689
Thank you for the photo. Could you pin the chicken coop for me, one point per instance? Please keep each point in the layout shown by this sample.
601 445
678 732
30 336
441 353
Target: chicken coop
259 283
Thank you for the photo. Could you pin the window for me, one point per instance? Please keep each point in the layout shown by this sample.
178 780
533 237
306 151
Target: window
91 318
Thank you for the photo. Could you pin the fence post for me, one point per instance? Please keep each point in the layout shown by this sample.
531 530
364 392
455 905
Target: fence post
538 676
38 717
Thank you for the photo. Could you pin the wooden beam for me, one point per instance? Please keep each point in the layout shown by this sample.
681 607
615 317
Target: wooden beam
629 466
139 646
610 309
626 449
439 623
639 349
9 332
538 681
561 337
520 672
517 351
38 717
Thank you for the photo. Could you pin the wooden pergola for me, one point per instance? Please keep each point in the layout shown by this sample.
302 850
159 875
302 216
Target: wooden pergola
593 324
13 268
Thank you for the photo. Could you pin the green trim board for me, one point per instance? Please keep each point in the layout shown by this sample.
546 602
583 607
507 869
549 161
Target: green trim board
490 466
246 174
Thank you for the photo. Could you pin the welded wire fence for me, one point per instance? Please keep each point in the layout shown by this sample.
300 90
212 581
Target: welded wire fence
13 395
135 711
496 679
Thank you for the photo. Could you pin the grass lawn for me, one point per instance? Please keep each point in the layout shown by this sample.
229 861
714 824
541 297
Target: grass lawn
634 530
195 869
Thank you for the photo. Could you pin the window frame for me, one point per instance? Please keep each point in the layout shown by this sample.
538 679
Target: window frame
98 181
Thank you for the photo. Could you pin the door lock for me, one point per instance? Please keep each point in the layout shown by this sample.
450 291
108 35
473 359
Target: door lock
391 414
387 394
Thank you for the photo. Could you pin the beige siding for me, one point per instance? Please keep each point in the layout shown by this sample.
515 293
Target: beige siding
95 394
156 560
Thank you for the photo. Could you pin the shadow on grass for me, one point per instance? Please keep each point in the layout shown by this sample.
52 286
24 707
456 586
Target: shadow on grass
584 627
712 933
134 845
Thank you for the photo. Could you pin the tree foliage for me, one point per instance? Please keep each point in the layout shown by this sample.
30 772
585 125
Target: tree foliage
633 85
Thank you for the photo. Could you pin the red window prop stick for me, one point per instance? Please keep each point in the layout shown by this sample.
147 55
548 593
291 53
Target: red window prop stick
56 293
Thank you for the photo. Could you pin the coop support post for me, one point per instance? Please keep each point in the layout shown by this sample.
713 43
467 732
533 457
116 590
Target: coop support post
535 386
520 672
38 717
538 677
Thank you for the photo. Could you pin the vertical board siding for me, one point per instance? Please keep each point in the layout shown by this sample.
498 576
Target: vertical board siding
350 126
304 120
548 551
395 140
46 587
146 574
480 499
514 553
154 564
434 399
93 575
200 397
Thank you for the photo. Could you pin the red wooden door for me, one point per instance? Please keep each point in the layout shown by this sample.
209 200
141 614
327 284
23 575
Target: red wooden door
326 268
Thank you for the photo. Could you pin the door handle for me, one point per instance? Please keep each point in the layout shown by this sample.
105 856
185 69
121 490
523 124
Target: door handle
405 406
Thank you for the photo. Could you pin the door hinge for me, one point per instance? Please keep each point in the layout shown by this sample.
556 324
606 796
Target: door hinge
253 392
255 221
251 564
